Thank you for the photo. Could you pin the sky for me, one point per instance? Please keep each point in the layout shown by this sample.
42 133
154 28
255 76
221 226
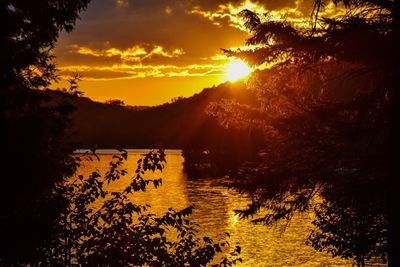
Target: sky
146 52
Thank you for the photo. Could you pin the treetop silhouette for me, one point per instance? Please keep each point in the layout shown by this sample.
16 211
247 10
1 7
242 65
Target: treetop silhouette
330 110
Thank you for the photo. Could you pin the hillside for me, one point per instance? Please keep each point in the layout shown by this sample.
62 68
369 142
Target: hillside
171 125
182 124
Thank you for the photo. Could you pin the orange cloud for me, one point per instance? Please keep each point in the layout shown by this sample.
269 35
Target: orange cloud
125 71
230 13
131 67
135 53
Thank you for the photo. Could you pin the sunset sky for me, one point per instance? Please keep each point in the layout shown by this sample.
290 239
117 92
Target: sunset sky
145 52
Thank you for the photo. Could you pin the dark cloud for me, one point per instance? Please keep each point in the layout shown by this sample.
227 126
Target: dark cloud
122 24
105 24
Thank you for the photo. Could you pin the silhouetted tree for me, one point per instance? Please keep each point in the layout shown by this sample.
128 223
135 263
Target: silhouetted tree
349 230
35 153
330 109
116 102
36 157
176 99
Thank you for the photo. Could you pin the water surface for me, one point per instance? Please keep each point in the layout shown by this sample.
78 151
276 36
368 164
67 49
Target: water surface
279 245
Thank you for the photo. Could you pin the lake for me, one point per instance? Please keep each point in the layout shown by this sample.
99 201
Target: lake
279 245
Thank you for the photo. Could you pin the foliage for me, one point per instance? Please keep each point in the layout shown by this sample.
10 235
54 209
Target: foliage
116 102
29 35
349 232
176 99
34 123
330 110
36 154
107 228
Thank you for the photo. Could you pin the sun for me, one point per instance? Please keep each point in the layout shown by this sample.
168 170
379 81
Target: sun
236 70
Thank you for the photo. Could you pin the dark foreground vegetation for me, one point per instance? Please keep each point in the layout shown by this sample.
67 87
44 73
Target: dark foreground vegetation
48 218
35 148
318 130
330 111
98 227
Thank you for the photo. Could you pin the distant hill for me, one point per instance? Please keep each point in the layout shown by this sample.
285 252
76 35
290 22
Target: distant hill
181 124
